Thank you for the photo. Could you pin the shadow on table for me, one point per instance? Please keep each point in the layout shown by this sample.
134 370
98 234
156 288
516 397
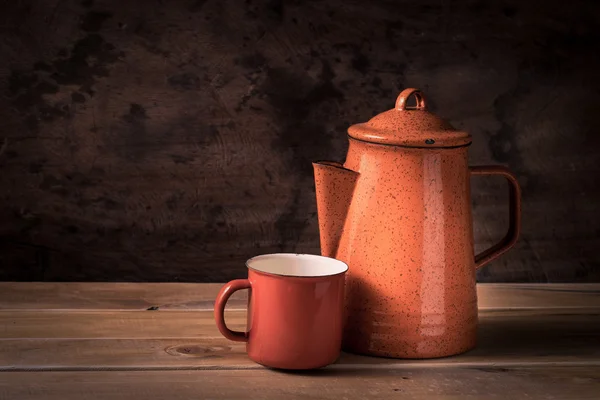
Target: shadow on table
504 338
530 335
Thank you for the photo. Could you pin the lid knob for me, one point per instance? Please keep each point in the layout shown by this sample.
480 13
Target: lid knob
405 95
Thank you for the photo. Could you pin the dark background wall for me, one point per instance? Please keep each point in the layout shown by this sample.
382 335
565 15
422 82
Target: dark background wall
171 140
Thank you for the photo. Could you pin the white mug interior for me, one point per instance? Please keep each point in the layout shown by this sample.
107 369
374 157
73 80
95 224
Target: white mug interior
300 265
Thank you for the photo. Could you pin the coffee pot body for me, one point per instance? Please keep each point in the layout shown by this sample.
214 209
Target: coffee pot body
398 212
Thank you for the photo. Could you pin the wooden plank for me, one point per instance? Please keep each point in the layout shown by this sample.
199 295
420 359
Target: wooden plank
122 354
27 324
499 295
200 296
408 383
154 339
111 296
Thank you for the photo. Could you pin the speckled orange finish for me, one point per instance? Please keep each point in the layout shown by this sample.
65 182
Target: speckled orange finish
403 126
335 187
399 214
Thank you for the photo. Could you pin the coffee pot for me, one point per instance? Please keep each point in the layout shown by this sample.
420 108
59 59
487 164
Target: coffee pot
398 212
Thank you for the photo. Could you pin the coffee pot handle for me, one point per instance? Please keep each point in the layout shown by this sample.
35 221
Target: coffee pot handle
514 227
224 295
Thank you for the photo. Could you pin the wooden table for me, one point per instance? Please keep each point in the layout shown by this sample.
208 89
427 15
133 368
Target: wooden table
159 341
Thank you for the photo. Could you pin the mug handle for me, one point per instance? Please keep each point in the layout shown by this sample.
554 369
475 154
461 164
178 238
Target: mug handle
514 227
224 295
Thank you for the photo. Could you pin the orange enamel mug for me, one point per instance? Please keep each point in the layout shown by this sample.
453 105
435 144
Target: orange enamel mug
295 310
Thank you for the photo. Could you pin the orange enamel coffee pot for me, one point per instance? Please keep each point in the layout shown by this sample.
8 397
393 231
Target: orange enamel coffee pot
398 212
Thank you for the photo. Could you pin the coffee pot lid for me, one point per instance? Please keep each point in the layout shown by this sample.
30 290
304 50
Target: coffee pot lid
409 127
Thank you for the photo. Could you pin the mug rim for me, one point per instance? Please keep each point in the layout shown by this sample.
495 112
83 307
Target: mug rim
316 256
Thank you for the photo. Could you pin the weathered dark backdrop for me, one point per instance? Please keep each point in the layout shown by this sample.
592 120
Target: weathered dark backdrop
170 140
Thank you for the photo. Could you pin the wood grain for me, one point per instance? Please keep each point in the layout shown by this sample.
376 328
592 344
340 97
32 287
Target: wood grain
112 296
435 384
97 341
155 339
196 296
27 324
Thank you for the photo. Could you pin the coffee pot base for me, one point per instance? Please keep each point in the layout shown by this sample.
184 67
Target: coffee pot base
424 348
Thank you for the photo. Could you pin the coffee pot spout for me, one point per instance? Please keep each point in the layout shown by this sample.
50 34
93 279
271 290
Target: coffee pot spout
334 186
